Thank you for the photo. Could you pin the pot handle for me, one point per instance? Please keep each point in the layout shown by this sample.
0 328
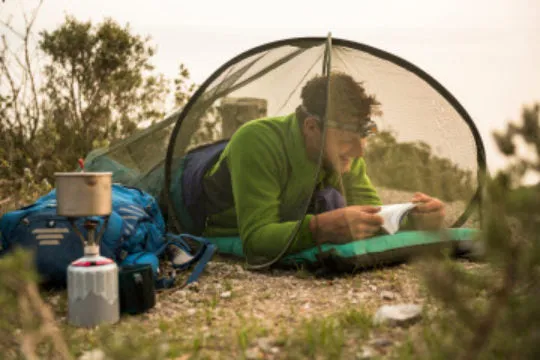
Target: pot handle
81 164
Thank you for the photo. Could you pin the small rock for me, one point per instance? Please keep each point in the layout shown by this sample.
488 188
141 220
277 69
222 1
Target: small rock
363 295
381 342
265 344
372 287
180 293
401 315
226 295
164 348
274 349
367 353
96 354
253 353
194 286
388 295
54 300
191 312
306 306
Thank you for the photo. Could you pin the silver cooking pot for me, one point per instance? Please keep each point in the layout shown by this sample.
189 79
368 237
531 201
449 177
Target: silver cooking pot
84 193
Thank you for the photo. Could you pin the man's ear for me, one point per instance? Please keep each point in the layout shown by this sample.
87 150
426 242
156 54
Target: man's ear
311 125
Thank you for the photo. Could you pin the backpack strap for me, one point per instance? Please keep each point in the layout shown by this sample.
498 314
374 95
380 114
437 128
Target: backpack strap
200 258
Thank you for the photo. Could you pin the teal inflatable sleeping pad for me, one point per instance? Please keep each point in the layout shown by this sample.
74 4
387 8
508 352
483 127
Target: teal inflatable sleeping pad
378 250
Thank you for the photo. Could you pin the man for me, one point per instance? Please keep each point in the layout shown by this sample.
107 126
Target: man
258 184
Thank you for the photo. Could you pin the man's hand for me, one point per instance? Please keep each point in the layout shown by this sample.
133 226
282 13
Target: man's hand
347 224
429 213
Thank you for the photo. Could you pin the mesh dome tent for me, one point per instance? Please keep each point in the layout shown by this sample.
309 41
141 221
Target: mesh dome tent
259 181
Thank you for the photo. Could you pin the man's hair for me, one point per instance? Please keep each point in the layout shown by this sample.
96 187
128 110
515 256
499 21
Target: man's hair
348 100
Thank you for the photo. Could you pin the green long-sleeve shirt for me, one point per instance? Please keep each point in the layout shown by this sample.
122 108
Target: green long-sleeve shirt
263 179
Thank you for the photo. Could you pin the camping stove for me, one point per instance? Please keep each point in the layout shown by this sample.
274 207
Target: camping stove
92 280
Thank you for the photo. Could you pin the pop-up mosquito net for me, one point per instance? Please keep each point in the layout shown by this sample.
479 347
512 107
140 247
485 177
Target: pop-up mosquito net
301 127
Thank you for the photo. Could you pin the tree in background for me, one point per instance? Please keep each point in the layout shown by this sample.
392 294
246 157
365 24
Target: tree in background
183 87
494 313
97 87
20 103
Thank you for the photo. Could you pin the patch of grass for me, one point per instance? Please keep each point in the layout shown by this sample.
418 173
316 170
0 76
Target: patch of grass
302 273
243 338
227 285
164 325
320 337
335 336
358 320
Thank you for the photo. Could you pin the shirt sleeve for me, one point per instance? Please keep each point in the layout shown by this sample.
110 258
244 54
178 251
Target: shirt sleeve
257 164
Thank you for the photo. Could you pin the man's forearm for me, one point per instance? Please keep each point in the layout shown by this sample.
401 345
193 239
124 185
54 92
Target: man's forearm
330 227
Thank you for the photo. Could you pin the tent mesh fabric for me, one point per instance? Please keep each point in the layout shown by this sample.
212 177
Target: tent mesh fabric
425 142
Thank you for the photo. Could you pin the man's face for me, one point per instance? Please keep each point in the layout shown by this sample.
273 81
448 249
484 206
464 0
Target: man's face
341 148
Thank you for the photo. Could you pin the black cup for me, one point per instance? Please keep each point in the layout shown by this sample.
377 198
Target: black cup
136 288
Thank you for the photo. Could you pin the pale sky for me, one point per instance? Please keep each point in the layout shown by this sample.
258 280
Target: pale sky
486 53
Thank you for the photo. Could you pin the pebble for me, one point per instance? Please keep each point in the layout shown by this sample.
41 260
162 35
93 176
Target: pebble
180 293
265 344
226 295
398 315
253 353
367 353
381 342
363 295
191 312
96 354
54 300
164 348
194 286
388 295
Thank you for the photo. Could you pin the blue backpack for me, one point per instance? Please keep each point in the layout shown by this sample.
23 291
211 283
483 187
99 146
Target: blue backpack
135 234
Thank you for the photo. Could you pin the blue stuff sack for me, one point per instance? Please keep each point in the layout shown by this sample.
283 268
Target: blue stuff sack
134 227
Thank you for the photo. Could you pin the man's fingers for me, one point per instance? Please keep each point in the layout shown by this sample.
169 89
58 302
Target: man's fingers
368 209
372 219
420 194
431 206
367 214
